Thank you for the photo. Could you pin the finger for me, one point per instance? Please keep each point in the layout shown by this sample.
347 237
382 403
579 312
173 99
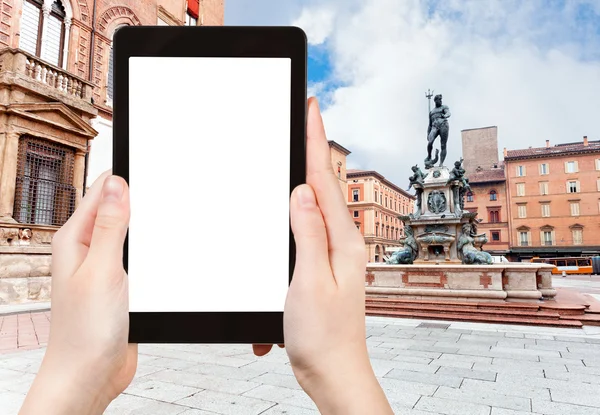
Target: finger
312 255
320 176
70 244
261 349
110 227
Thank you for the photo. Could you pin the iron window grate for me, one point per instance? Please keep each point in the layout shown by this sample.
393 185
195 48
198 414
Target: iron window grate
44 193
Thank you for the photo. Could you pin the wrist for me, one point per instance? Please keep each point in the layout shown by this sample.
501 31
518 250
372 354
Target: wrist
57 391
345 386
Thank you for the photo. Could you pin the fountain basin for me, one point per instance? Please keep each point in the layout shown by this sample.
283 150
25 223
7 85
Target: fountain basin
496 282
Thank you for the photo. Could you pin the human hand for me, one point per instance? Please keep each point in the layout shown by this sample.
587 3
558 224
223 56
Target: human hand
88 361
324 318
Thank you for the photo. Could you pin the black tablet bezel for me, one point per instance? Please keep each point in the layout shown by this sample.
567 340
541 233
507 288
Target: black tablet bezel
228 41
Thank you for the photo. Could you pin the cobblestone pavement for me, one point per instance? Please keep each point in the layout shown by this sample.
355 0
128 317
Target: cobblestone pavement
466 368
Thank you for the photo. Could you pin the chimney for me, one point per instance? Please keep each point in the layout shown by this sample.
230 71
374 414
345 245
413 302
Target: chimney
585 141
547 143
505 152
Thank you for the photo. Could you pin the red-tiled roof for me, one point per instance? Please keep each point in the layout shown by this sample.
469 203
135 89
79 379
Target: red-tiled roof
494 175
554 151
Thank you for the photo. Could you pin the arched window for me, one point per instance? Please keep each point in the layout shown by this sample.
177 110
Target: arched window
110 72
469 196
493 195
43 30
109 81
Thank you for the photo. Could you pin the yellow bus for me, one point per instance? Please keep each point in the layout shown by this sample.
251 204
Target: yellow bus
568 265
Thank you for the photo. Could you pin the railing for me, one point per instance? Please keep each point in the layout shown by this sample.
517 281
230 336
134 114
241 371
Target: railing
54 78
25 65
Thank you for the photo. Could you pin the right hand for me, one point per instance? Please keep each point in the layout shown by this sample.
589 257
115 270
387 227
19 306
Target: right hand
324 318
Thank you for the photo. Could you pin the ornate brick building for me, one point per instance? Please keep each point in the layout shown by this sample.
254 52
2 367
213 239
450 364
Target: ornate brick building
56 115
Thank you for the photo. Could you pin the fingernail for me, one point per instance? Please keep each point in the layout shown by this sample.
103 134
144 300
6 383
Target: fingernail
306 197
112 190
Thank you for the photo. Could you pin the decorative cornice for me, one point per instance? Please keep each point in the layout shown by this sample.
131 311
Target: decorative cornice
168 17
367 173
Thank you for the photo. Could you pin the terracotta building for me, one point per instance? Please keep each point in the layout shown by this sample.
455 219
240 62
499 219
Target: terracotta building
55 117
338 161
375 204
488 187
554 194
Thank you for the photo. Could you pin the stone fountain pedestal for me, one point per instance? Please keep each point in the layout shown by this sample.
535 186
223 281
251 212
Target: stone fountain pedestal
438 218
434 233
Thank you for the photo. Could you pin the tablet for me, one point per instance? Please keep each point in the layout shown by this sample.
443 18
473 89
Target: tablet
209 131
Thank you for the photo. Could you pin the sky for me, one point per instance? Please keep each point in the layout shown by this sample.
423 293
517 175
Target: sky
531 68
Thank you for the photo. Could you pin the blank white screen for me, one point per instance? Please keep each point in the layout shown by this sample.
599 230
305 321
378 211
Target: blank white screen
209 151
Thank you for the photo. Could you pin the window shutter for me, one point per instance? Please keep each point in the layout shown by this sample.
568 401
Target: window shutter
577 186
109 84
598 184
576 166
30 24
52 40
566 166
194 8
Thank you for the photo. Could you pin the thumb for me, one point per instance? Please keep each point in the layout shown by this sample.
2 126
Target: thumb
308 226
112 221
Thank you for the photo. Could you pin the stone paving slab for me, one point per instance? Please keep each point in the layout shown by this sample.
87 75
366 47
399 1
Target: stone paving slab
468 368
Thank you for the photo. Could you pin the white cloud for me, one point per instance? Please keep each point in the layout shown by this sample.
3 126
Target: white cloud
389 53
528 68
317 23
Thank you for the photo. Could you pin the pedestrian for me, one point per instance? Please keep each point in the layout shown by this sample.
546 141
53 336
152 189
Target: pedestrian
88 361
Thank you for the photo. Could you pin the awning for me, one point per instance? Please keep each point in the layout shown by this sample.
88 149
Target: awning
194 8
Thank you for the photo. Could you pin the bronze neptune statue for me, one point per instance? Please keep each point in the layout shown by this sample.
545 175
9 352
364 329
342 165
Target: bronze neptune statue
438 127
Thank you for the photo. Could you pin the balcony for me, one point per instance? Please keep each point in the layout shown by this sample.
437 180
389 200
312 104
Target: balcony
21 69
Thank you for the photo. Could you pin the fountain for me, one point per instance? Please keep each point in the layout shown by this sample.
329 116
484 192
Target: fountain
442 254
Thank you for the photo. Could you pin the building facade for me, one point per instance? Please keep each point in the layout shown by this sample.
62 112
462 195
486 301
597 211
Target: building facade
338 162
56 115
375 204
488 187
554 194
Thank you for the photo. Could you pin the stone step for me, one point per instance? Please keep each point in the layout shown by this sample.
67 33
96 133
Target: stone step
471 304
586 319
435 308
476 318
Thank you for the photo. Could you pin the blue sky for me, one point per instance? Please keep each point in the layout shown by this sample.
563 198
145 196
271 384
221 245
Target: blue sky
530 67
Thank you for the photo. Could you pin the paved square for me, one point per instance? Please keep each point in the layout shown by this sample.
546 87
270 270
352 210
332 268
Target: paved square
467 368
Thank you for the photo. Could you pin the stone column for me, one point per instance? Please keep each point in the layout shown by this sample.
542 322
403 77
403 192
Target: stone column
78 173
8 174
46 8
66 43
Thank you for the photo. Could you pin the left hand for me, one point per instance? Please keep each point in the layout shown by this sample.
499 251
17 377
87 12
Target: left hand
88 362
